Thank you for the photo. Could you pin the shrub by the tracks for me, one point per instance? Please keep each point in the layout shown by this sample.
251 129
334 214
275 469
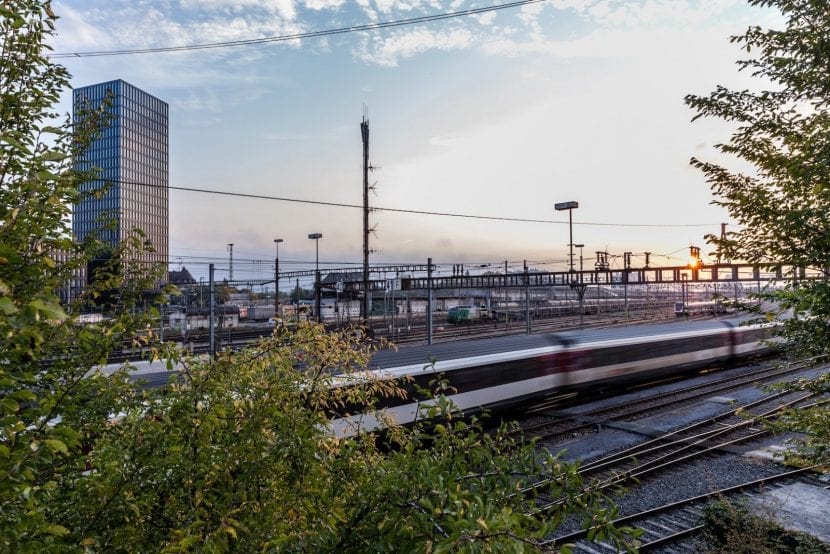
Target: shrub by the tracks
730 527
238 456
780 203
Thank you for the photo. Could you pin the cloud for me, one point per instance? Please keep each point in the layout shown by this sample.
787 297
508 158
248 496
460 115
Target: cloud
649 13
615 43
127 25
320 5
389 50
75 32
485 18
286 8
202 101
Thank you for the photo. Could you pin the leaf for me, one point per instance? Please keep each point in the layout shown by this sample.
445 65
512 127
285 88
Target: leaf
57 530
46 175
7 305
52 310
23 395
14 143
56 446
54 156
10 406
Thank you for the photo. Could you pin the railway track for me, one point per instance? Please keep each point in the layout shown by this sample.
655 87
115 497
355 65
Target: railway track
568 424
676 521
697 442
670 449
743 424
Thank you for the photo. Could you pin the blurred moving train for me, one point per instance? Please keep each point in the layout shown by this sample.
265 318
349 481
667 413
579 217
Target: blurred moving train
501 372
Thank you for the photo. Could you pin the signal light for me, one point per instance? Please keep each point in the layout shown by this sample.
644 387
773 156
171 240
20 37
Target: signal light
694 258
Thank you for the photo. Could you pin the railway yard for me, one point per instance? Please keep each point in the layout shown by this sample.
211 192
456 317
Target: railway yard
673 448
665 448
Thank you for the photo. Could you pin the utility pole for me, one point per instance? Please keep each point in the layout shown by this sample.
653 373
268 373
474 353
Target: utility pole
277 287
626 269
429 300
277 278
600 265
527 300
212 314
722 241
230 249
365 308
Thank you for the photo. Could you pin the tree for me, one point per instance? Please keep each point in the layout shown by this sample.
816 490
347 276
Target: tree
781 203
48 410
237 456
235 453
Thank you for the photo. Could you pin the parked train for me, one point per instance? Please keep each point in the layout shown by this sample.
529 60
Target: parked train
712 307
562 308
467 314
500 372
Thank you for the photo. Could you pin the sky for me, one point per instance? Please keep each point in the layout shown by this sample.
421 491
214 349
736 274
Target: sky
500 114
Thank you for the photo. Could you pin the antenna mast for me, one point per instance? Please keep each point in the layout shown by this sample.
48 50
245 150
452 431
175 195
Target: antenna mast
366 306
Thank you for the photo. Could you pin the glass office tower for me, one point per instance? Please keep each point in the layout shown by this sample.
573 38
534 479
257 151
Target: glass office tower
131 155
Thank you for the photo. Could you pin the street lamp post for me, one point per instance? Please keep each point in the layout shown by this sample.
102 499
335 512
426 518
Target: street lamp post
578 286
583 287
570 206
277 278
580 246
316 238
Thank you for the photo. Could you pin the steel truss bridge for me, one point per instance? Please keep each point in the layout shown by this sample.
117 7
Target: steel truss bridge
424 280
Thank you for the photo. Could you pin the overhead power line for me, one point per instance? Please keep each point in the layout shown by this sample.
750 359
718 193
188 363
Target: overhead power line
405 211
299 36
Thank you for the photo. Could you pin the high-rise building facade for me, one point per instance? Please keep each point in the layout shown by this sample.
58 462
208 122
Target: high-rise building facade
131 156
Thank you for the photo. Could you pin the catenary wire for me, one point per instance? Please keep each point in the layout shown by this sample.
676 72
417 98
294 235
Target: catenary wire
299 36
405 211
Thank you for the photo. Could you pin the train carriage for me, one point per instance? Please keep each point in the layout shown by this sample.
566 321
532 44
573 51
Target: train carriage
500 372
496 373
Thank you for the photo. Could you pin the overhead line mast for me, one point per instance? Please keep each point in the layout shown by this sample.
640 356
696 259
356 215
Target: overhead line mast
365 307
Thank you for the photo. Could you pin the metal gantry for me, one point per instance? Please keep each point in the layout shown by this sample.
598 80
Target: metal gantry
720 273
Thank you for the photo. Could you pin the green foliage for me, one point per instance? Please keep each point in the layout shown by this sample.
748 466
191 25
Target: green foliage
235 453
733 528
48 410
782 133
782 200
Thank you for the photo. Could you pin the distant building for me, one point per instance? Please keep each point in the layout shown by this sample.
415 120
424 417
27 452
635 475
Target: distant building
131 155
199 318
180 277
